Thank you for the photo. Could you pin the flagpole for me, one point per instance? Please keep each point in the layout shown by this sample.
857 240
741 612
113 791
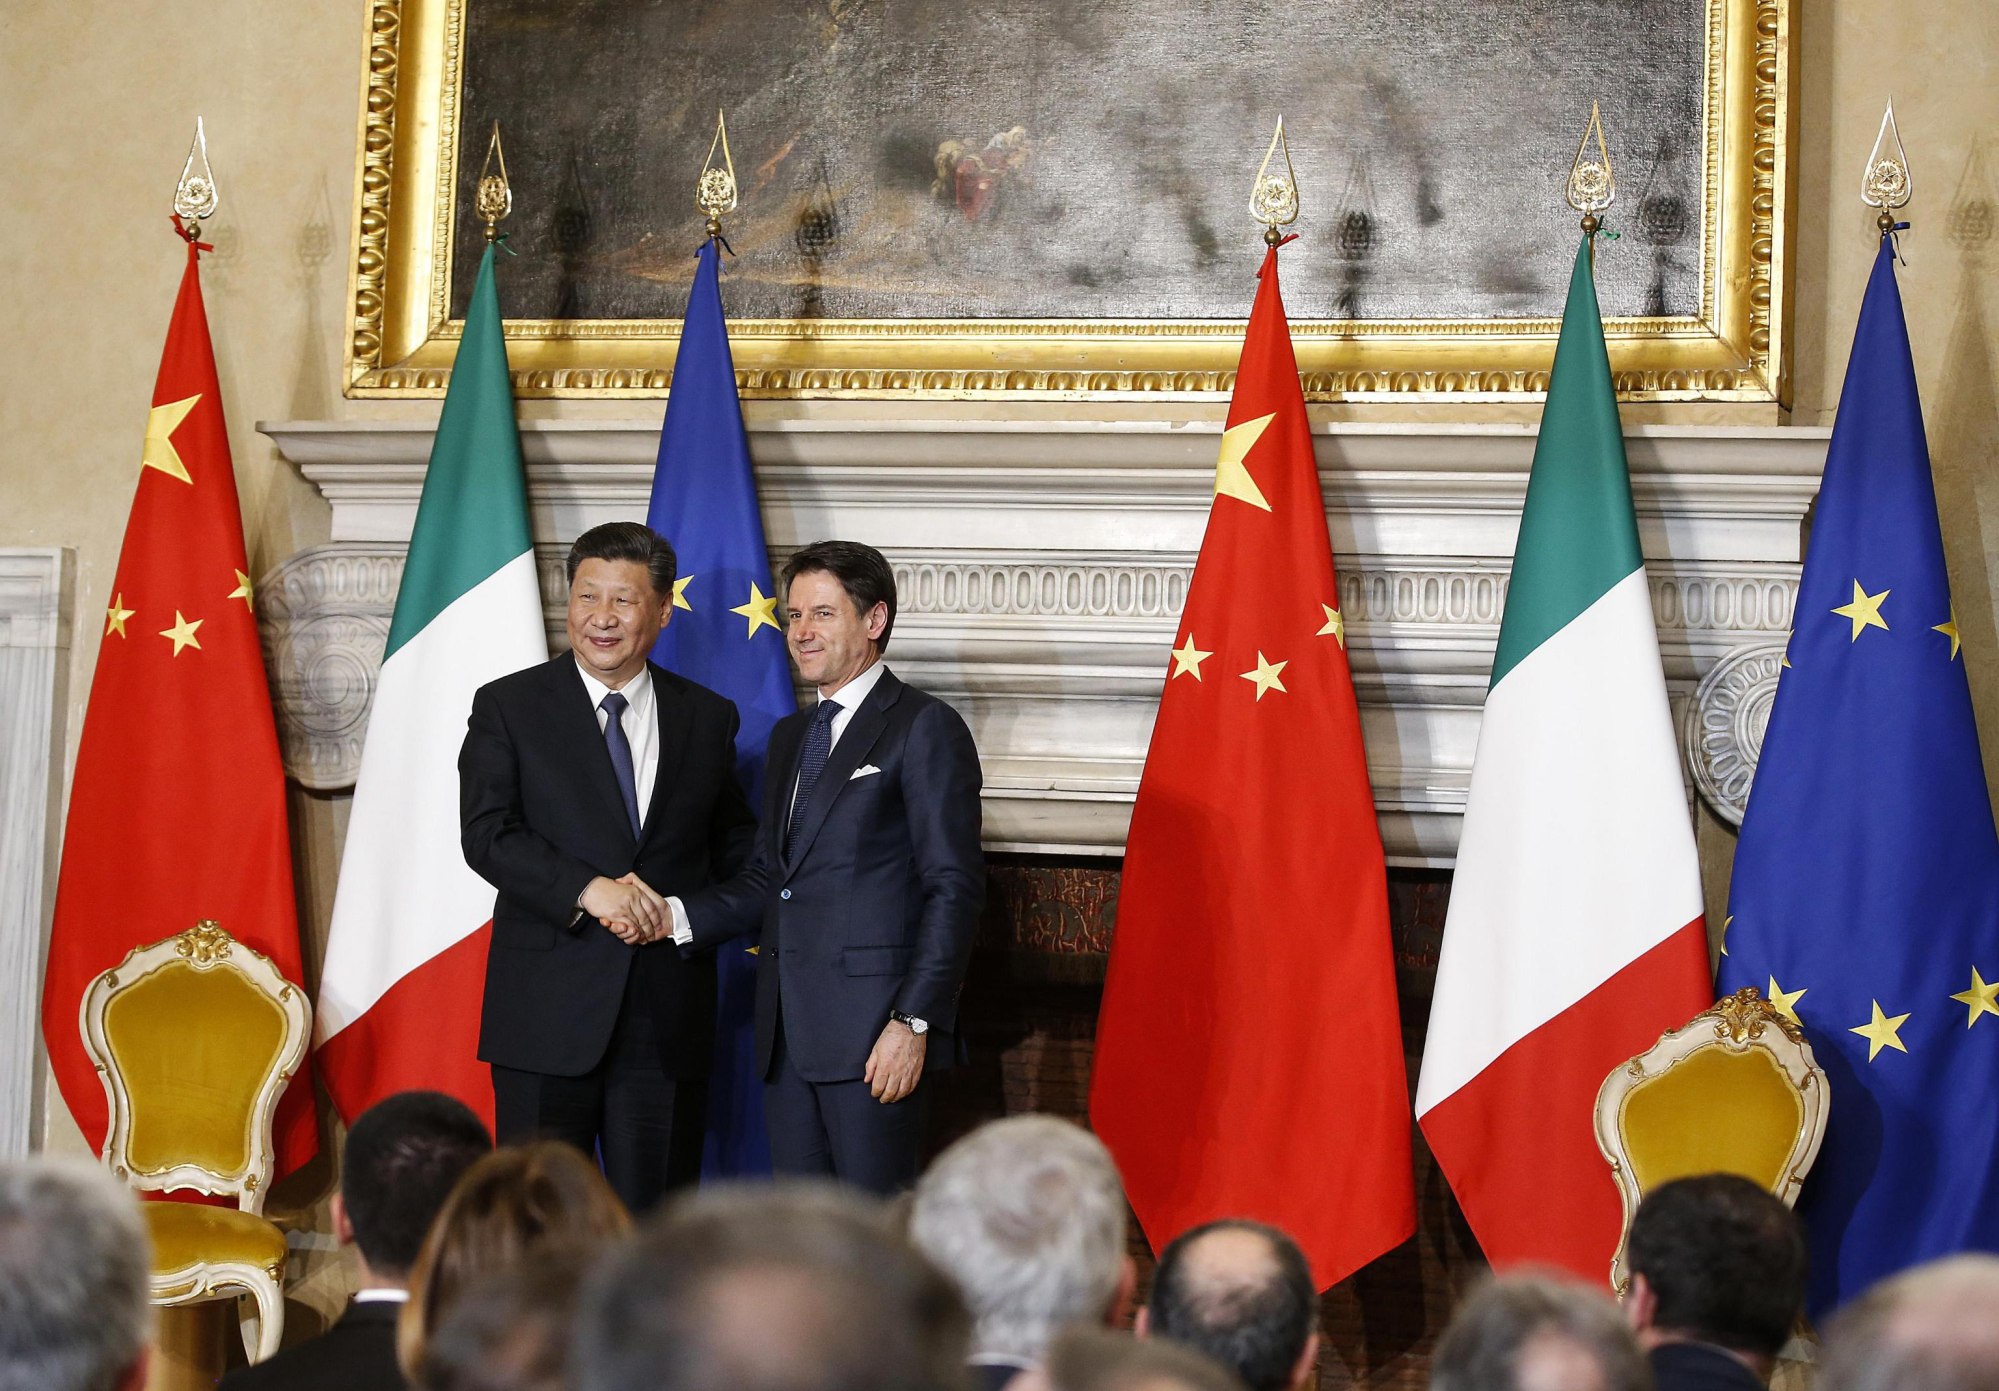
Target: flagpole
1886 184
195 197
715 191
495 196
1592 187
1273 199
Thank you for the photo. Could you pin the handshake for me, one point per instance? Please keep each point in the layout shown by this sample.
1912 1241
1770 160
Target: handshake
630 908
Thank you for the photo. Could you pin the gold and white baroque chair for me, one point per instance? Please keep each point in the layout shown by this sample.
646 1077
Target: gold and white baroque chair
194 1038
1736 1090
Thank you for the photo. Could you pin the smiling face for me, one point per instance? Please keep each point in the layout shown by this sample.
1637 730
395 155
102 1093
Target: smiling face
831 640
614 618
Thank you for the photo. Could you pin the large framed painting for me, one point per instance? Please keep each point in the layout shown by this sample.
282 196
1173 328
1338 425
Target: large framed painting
1039 198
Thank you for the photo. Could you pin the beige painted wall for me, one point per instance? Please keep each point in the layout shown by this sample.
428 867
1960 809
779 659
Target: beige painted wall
97 104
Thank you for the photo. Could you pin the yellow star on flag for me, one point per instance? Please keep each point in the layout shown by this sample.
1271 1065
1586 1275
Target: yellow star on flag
1864 611
1880 1032
243 591
182 633
680 594
115 616
1785 1002
760 610
1232 477
1336 626
160 426
1267 676
1949 630
1187 659
1981 998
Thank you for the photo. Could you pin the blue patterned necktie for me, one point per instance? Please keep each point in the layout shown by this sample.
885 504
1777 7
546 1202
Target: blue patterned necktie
613 705
811 763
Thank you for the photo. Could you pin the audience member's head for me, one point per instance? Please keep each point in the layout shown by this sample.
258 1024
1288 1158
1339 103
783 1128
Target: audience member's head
517 1202
1028 1216
1716 1259
401 1158
1240 1293
1532 1333
75 1275
1934 1328
508 1331
1091 1359
795 1287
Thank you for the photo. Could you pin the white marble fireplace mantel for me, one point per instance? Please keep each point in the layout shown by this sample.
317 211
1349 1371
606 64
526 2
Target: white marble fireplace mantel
1042 563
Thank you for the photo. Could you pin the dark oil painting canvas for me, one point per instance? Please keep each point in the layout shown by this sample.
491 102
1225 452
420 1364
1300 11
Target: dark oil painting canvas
1067 160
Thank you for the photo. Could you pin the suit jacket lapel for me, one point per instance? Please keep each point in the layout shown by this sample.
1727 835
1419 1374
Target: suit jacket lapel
856 741
787 744
670 710
576 722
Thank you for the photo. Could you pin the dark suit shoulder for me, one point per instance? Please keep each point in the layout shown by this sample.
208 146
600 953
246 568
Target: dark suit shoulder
537 679
700 697
357 1354
1700 1367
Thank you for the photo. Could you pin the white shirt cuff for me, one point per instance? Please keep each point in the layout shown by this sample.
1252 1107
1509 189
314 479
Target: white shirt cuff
683 931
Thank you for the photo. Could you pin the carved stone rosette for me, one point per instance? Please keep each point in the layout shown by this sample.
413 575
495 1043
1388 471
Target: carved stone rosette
325 618
1724 725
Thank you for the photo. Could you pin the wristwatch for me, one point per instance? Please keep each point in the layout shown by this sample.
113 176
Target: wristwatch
916 1026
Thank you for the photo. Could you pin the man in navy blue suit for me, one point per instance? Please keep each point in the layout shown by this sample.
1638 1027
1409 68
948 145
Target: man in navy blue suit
863 887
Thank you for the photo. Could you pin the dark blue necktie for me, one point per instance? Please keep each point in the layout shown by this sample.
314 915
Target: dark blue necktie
811 763
613 706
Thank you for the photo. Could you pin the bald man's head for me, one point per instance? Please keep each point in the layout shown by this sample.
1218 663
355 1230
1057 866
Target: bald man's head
1934 1328
1241 1293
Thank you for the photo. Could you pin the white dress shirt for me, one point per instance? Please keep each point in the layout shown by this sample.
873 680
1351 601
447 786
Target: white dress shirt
641 724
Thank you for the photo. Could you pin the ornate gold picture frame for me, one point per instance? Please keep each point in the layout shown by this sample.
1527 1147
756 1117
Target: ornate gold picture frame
1723 336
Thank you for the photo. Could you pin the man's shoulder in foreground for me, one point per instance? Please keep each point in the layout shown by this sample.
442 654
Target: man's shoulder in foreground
357 1354
1686 1366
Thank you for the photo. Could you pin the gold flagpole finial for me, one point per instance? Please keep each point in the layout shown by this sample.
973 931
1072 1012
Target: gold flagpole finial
1886 184
1592 187
195 196
495 196
1273 200
715 193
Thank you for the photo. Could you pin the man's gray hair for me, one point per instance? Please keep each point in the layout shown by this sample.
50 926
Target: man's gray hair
1538 1333
75 1277
1027 1214
1933 1328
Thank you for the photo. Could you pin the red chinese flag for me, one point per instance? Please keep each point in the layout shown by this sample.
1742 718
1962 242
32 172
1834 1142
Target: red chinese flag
1249 1052
177 809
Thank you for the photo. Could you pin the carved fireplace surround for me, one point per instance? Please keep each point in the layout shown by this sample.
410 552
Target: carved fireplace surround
1042 563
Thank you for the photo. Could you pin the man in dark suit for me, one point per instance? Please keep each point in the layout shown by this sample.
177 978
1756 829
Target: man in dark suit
1717 1282
589 787
864 886
401 1158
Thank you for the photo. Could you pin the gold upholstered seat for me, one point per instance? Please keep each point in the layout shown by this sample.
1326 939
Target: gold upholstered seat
1735 1091
195 1037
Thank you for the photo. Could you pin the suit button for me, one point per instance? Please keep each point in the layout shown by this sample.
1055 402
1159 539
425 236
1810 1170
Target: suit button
784 894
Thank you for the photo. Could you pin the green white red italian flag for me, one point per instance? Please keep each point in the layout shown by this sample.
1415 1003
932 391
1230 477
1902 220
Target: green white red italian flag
1575 933
405 969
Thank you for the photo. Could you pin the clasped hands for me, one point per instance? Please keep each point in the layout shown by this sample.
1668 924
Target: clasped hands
630 908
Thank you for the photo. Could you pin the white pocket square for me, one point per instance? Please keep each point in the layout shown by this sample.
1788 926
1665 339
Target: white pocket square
866 770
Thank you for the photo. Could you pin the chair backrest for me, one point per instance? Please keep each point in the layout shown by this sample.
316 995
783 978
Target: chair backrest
194 1037
1735 1091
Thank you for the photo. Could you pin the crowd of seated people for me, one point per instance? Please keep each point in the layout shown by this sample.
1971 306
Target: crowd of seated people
518 1269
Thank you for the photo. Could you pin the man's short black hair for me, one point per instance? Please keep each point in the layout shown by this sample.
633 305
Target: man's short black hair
1725 1258
401 1159
1254 1327
630 541
862 571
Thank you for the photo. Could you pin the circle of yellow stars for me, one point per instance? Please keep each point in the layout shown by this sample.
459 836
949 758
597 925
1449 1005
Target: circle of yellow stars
759 610
1884 1030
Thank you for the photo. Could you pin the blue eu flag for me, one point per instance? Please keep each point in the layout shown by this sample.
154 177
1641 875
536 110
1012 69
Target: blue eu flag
725 632
1865 899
